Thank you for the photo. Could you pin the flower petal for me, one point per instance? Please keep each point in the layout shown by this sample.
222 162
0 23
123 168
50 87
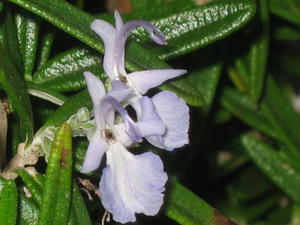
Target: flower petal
144 80
95 151
175 114
120 91
107 33
124 31
118 20
149 121
97 92
132 184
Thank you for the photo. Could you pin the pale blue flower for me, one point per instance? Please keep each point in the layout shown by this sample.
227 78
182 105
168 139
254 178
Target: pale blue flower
114 40
130 183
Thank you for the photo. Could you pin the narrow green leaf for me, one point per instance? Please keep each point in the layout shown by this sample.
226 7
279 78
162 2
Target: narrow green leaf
42 91
252 65
65 71
276 167
8 38
27 31
8 202
28 211
79 209
277 108
187 30
288 9
32 185
185 207
57 187
140 4
246 110
14 87
77 22
45 47
63 113
287 34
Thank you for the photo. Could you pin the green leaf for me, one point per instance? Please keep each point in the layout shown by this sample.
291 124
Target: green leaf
252 66
280 113
45 47
65 71
286 33
42 91
289 10
140 4
28 211
15 88
186 208
63 113
28 32
188 30
246 110
79 209
274 165
8 38
8 202
56 196
76 23
32 185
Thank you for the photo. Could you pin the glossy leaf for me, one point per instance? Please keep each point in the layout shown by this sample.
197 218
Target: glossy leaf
65 71
45 47
199 26
289 10
274 165
63 113
76 23
56 196
185 207
28 32
28 211
8 38
8 202
15 88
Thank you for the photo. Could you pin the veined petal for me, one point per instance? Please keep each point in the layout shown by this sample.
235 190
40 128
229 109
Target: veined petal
95 151
108 34
132 184
97 92
175 114
144 80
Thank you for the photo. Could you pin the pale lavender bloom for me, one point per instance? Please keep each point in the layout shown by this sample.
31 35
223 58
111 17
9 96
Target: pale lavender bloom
172 111
114 40
130 183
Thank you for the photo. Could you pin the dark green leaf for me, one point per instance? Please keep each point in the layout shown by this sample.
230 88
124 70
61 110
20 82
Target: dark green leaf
288 9
63 113
274 165
14 87
45 47
285 121
252 65
8 202
27 31
185 207
8 38
65 71
287 34
187 30
246 110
